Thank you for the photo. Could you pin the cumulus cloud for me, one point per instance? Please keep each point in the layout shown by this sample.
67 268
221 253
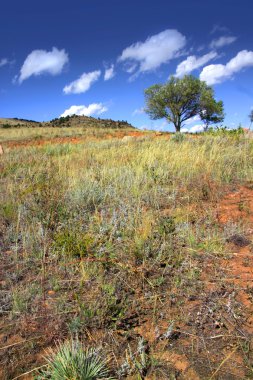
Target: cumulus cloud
192 120
213 74
109 73
222 41
195 129
41 61
91 109
83 83
192 63
156 50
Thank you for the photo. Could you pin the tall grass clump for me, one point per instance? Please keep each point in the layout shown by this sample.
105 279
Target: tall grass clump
72 361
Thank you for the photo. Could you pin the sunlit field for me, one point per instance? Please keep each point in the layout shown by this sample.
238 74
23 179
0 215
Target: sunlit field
126 244
21 133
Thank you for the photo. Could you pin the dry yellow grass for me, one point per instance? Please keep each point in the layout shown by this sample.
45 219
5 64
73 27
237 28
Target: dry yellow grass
109 239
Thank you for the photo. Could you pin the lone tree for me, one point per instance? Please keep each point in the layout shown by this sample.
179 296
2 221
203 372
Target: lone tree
211 111
179 100
251 117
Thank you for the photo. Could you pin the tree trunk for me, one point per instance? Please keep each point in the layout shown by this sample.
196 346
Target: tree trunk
206 127
177 123
178 127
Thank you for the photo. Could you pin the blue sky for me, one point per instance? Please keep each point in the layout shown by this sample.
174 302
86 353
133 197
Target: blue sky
96 57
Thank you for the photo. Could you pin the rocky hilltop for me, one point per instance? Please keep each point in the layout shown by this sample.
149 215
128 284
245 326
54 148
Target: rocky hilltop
88 121
68 121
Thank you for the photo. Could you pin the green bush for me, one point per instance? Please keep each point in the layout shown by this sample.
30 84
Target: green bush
178 137
72 243
226 131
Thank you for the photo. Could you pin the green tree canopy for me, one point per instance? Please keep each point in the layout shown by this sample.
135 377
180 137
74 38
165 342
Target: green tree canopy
179 100
211 111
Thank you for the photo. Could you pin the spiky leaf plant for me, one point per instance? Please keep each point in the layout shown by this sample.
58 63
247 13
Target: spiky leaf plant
72 362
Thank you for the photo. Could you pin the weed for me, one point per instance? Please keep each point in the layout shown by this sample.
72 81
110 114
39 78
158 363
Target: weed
71 243
137 362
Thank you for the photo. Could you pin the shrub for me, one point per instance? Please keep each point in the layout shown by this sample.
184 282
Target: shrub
178 137
72 243
224 131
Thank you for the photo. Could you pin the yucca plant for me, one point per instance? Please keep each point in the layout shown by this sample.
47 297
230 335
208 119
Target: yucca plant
71 361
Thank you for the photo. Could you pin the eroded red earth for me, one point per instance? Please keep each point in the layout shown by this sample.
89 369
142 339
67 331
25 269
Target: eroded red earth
215 342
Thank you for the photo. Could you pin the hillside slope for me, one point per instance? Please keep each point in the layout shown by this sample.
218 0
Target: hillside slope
16 122
88 121
69 121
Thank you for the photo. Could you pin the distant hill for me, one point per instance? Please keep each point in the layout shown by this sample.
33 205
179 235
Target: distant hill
15 122
87 121
68 121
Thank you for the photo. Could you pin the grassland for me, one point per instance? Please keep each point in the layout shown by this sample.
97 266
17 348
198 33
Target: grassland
140 246
51 133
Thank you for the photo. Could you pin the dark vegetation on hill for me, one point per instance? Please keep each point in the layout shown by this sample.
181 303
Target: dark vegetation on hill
25 120
68 121
88 121
18 123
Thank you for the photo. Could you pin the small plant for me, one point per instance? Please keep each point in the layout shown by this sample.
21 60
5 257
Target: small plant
178 137
138 362
72 361
225 131
167 226
19 302
71 243
75 325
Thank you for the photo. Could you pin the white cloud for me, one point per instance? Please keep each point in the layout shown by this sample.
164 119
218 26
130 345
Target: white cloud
213 74
192 62
222 41
197 128
109 73
192 120
41 61
3 62
219 28
155 51
130 67
184 130
83 83
138 111
91 109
